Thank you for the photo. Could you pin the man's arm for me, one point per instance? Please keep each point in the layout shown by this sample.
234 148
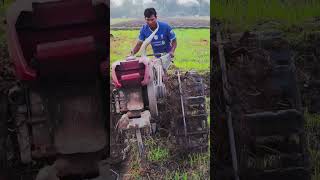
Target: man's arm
139 43
173 47
172 36
136 48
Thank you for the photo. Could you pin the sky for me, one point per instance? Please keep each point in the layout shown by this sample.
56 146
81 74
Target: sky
131 8
117 3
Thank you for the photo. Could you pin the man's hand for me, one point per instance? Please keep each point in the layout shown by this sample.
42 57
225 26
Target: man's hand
136 48
174 46
131 54
171 54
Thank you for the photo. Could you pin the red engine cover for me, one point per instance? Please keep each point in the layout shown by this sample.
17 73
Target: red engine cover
57 58
44 32
130 73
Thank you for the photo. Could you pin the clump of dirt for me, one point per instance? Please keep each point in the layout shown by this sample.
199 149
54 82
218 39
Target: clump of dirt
304 43
251 63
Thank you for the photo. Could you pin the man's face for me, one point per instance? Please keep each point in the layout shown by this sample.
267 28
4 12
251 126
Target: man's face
151 21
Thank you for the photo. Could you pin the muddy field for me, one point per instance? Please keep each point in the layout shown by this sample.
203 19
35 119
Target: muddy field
303 48
256 85
165 158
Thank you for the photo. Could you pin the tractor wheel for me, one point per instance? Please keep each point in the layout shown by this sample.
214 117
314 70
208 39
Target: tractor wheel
3 134
152 94
191 112
262 86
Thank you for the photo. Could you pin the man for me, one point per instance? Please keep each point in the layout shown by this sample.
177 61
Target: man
164 40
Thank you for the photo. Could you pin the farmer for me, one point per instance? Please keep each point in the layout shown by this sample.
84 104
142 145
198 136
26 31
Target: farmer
164 40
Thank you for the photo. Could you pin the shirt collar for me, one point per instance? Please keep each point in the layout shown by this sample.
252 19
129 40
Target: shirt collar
150 28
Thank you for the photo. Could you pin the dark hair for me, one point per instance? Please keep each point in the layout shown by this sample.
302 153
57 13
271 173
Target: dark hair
149 12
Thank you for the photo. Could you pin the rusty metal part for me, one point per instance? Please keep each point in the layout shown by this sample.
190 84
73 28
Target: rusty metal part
20 115
275 123
115 174
160 86
116 100
80 128
191 129
260 92
23 137
125 122
134 96
140 143
39 121
158 72
229 115
134 114
182 106
122 101
127 99
142 122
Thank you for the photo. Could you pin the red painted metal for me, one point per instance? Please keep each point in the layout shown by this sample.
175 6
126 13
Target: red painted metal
147 76
57 58
33 25
131 72
131 77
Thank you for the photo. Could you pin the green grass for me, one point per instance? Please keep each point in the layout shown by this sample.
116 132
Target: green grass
313 142
157 152
192 52
120 20
162 155
315 161
198 168
177 175
244 13
3 7
134 162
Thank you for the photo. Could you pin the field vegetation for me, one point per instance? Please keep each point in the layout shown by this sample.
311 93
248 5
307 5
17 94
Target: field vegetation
245 13
193 51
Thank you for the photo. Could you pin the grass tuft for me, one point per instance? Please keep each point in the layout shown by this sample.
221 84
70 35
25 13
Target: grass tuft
158 154
313 141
